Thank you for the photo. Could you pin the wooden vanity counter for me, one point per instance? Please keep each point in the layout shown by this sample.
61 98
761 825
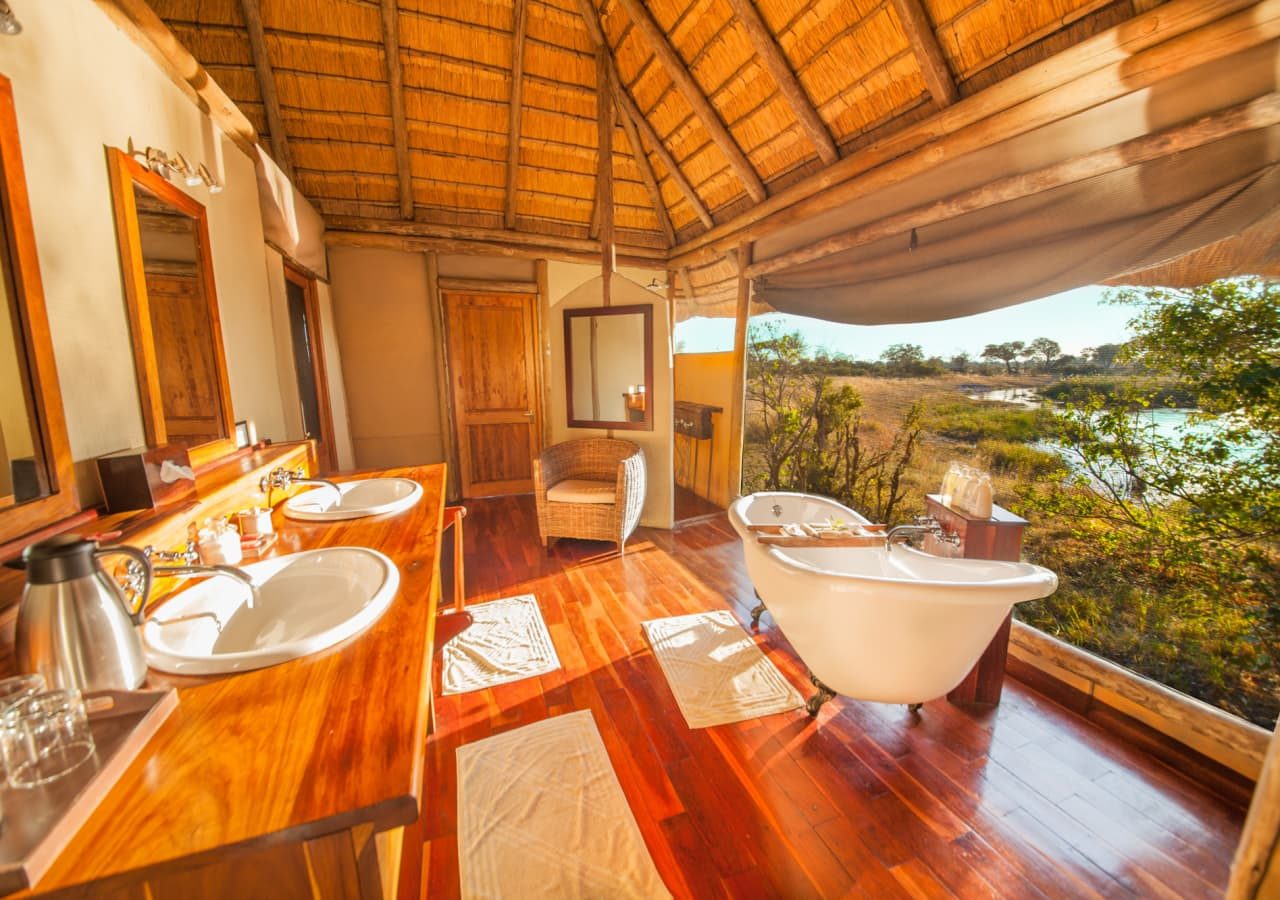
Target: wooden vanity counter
287 781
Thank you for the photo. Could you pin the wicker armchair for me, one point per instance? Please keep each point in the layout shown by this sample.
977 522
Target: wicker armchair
591 488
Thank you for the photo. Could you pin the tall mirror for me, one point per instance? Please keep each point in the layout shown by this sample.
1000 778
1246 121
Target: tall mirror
609 367
173 312
36 479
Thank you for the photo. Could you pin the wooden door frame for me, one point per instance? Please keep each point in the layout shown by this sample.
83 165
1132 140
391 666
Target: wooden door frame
327 455
536 293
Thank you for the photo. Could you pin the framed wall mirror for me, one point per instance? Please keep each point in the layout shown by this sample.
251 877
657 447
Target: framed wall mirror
609 367
37 483
173 312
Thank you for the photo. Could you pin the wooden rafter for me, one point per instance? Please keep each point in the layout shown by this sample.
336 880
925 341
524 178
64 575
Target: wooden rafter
395 79
1263 112
766 47
513 113
630 111
604 167
924 44
267 85
1176 37
646 172
675 68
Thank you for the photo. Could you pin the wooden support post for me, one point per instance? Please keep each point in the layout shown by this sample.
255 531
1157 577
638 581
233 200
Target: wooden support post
996 537
1255 872
924 44
267 85
453 488
670 61
514 111
604 170
395 82
1254 115
544 344
738 401
766 47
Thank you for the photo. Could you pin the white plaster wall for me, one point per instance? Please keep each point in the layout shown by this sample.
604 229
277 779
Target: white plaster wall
337 387
79 85
573 286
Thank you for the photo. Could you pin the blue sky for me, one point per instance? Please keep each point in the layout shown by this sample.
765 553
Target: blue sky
1075 319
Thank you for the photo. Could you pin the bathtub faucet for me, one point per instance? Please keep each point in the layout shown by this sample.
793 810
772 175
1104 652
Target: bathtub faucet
924 525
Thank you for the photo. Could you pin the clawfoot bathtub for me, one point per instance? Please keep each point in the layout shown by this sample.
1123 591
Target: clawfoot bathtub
891 626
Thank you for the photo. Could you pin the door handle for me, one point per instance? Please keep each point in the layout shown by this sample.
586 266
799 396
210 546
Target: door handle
528 414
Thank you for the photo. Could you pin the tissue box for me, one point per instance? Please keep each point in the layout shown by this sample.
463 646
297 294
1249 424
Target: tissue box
146 478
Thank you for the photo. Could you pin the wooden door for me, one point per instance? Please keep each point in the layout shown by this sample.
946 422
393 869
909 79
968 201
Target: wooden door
308 364
493 366
184 358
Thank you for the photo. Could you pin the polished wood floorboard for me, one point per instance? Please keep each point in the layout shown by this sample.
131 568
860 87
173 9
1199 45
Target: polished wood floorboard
690 506
1024 800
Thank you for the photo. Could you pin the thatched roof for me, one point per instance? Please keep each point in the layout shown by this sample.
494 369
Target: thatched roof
771 92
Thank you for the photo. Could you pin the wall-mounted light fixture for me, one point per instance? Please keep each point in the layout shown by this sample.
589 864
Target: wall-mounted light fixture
167 166
655 285
9 23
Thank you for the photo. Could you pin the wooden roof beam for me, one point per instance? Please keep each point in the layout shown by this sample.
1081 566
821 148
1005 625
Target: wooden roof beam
395 81
646 171
766 47
702 108
924 44
267 85
1264 112
1176 37
631 111
513 114
506 244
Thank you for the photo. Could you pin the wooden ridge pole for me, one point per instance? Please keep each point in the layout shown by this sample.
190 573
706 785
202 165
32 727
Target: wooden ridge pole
688 87
604 171
924 44
514 111
1174 38
1251 116
766 47
395 83
630 111
267 85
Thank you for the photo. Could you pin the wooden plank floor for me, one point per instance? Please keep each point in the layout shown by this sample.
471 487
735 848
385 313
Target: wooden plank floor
1026 800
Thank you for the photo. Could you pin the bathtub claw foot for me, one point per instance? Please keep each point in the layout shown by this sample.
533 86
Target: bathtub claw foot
756 612
814 703
914 708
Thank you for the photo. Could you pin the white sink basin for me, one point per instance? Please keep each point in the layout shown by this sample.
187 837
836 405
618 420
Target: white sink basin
354 500
306 602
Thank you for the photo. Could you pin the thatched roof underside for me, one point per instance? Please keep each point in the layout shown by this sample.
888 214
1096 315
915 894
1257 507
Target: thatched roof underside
855 61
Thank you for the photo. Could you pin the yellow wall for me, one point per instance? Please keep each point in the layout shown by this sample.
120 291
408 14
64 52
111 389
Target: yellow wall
706 378
80 84
573 286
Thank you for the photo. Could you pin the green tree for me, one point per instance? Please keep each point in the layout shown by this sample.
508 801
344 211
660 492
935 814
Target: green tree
1047 349
1008 353
903 359
1181 530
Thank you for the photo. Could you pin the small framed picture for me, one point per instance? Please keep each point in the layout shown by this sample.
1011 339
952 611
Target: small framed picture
242 434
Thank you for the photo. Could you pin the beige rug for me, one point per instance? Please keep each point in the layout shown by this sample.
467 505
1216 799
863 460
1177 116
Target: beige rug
716 671
507 641
541 814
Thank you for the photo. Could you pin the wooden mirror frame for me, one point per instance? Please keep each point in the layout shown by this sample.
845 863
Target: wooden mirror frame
44 401
125 172
586 312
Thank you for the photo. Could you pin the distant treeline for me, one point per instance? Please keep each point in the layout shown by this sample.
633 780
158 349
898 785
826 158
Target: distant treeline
1135 390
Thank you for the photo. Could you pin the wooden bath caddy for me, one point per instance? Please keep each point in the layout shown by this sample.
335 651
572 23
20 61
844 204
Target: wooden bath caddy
819 536
40 821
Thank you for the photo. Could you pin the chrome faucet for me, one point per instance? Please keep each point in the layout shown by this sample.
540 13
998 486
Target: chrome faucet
282 479
192 568
923 525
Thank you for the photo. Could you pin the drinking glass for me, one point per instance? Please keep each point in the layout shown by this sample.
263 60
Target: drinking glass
45 737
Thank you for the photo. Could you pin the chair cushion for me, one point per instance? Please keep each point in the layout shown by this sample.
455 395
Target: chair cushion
582 490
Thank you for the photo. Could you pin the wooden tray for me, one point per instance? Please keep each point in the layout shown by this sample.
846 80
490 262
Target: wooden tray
777 536
38 822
